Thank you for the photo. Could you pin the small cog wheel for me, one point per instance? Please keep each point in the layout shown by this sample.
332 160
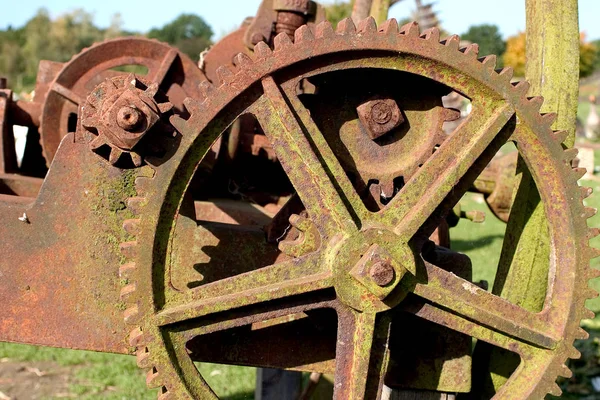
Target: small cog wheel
119 114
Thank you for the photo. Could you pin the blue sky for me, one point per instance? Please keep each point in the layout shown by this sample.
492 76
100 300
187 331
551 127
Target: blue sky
225 15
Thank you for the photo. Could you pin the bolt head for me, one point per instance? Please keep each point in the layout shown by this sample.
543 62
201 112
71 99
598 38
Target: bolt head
382 273
130 118
380 116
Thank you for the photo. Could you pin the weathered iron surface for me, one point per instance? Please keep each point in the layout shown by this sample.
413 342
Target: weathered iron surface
172 320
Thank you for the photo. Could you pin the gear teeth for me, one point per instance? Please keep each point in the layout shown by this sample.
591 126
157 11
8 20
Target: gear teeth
178 123
561 136
592 233
135 204
573 353
471 50
224 75
303 34
262 50
452 42
165 395
549 119
132 226
165 107
97 142
594 253
206 88
570 155
126 271
581 334
536 102
555 390
367 25
432 34
129 249
579 172
142 357
488 62
136 159
152 89
242 60
136 337
587 314
153 379
346 27
389 27
506 73
131 316
590 212
324 30
521 87
127 293
410 29
451 114
565 372
282 41
115 155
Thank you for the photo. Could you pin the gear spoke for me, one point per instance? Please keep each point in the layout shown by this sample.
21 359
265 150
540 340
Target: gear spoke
409 210
310 178
277 281
361 355
483 312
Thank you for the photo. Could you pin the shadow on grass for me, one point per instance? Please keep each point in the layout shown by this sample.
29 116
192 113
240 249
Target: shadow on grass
465 245
240 396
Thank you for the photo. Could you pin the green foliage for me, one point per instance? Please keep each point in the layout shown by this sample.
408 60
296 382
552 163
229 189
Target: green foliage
588 54
488 38
188 32
338 11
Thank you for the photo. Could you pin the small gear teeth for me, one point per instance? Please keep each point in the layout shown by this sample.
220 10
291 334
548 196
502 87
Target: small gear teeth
565 372
142 357
548 119
242 60
561 136
115 155
592 233
367 25
589 212
578 173
555 390
585 192
452 42
127 293
324 30
282 41
152 89
136 337
224 75
206 88
432 34
572 352
129 249
389 27
471 50
506 73
594 253
410 29
165 395
489 62
536 103
346 27
587 314
303 34
570 155
581 334
131 316
262 50
153 380
521 87
97 142
179 123
126 271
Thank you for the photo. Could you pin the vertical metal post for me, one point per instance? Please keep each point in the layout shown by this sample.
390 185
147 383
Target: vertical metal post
380 9
361 10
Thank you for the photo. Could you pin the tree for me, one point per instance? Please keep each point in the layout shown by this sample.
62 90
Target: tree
488 38
338 11
189 32
516 55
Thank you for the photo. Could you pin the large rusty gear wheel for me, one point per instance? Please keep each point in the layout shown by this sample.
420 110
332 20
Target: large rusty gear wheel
330 267
175 73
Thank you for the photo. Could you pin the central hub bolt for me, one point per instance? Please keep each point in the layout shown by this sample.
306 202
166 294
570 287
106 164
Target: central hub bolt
381 113
382 273
129 118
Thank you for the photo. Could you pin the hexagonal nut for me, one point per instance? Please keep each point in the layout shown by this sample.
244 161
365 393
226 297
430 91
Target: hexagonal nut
378 272
111 119
379 116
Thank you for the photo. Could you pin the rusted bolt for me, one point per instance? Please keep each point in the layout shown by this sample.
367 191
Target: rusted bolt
382 273
380 116
130 118
256 38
